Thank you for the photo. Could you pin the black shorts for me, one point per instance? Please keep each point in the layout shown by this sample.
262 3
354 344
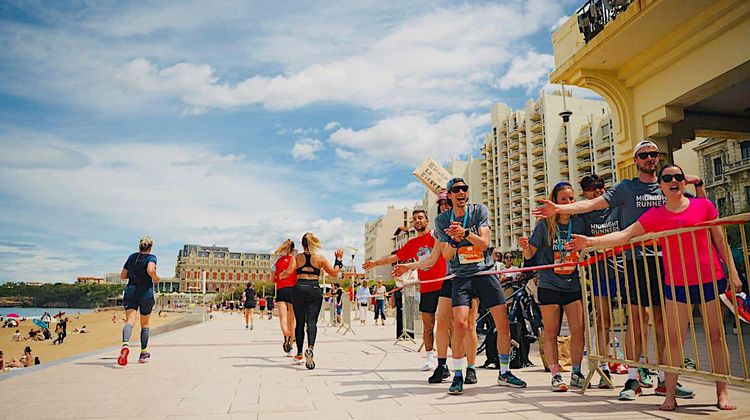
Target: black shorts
556 297
428 302
285 294
642 266
132 299
250 305
486 288
446 290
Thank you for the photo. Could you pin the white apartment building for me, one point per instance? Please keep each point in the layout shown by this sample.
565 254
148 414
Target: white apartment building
379 238
527 152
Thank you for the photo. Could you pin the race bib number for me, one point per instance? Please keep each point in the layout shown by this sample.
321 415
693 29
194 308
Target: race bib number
470 255
570 257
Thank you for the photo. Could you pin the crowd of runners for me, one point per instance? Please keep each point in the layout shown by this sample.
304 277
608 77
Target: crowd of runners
459 246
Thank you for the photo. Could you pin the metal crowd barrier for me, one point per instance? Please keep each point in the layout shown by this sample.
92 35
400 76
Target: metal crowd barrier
332 321
694 356
413 327
346 316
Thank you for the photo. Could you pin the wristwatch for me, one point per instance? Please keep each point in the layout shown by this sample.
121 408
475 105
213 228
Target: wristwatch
466 233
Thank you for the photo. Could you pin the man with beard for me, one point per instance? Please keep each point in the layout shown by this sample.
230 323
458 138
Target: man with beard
463 236
632 198
419 248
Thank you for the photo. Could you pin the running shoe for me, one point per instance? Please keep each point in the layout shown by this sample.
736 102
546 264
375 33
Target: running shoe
123 359
298 359
287 346
246 326
618 368
644 378
430 364
511 380
441 373
457 386
471 376
309 362
603 384
251 326
290 353
577 379
631 391
743 304
680 391
688 363
558 385
143 358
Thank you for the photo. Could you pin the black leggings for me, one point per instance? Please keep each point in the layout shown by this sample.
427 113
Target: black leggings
307 300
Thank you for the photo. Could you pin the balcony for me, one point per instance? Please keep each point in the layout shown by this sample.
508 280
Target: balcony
514 154
537 138
515 176
563 157
536 127
594 15
537 150
539 185
563 145
583 163
516 187
604 158
604 145
737 166
583 139
583 152
538 161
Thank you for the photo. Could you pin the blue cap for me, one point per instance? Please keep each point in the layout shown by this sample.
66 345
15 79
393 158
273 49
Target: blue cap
453 181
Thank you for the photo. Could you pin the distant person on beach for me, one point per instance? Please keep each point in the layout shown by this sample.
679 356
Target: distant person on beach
140 270
26 360
17 335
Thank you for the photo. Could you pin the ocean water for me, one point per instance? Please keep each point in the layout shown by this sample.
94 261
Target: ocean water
37 312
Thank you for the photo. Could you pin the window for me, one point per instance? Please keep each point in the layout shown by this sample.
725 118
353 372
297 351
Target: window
718 167
721 203
745 149
747 193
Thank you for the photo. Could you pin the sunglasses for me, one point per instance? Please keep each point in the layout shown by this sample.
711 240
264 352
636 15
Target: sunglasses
508 257
645 155
669 177
458 188
594 187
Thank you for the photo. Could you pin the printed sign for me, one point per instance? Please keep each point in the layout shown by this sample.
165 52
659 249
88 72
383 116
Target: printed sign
432 175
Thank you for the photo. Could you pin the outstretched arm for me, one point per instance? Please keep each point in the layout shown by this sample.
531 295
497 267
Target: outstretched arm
548 208
382 261
579 242
335 269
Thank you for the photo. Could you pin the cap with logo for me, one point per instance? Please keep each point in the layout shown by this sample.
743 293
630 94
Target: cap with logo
642 144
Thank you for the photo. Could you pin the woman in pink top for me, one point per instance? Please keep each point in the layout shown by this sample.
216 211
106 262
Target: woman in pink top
685 278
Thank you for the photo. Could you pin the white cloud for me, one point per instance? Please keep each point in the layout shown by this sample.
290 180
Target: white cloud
559 23
379 207
345 154
306 149
332 125
409 139
529 71
40 156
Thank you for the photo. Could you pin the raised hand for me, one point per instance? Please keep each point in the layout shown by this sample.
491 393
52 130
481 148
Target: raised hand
547 209
339 253
369 264
523 243
577 243
399 270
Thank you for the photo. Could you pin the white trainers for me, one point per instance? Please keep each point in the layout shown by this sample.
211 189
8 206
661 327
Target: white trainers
430 364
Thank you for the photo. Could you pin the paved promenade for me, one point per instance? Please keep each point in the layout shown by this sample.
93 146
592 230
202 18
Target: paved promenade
219 370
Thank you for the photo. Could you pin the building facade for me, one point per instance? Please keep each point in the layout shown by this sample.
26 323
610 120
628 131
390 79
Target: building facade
725 170
89 280
527 152
378 238
114 278
224 269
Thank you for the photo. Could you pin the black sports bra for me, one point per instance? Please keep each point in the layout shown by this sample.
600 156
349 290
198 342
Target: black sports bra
308 267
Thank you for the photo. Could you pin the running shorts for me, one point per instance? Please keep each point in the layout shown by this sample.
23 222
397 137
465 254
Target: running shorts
141 300
428 302
556 297
486 288
447 289
695 294
285 294
637 275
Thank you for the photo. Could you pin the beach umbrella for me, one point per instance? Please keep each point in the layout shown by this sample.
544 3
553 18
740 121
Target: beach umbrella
59 314
13 315
41 324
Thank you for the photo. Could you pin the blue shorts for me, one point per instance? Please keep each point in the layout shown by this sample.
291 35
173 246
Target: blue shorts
135 299
339 307
695 292
486 288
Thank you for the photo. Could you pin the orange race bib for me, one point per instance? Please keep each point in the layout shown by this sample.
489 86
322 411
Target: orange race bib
571 256
470 255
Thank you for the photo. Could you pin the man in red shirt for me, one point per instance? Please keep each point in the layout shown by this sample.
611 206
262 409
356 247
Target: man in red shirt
418 248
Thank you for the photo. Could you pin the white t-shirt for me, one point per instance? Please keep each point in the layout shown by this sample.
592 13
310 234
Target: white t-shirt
380 293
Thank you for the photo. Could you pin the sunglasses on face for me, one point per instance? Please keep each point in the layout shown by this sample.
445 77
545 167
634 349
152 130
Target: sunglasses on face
595 187
645 155
508 257
457 188
669 177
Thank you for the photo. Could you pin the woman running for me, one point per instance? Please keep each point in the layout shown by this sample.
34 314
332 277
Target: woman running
559 287
683 278
284 292
308 296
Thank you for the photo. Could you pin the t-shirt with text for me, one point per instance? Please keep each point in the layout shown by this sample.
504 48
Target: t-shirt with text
477 216
564 279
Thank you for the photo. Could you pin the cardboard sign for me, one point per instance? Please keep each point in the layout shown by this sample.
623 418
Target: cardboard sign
432 175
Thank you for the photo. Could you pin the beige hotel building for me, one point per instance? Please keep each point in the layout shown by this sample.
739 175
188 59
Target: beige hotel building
225 270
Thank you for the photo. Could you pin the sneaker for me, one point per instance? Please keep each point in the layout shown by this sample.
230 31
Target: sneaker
631 391
309 362
287 346
441 373
511 380
688 363
743 304
558 385
430 364
123 359
290 353
246 327
680 391
298 359
471 376
577 379
603 384
143 358
457 386
618 368
644 378
251 326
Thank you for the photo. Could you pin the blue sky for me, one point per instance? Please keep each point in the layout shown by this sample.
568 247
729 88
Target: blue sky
239 123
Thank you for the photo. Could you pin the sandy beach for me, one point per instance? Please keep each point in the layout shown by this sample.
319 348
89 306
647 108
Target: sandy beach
101 333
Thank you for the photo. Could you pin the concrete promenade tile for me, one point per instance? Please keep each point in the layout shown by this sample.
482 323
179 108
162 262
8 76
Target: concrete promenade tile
219 370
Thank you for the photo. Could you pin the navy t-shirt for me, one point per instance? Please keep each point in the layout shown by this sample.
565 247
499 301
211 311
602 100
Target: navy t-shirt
546 253
602 222
137 264
477 216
